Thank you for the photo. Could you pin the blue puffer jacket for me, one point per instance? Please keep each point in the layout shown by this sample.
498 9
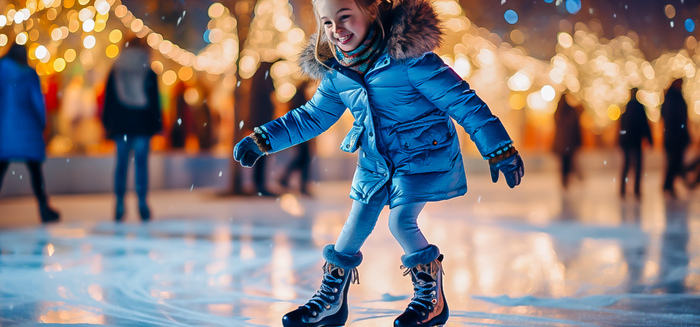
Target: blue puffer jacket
22 113
402 108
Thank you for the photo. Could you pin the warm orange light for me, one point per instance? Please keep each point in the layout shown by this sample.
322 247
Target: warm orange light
112 51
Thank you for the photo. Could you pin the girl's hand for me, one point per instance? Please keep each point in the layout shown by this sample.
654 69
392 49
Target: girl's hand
510 164
247 152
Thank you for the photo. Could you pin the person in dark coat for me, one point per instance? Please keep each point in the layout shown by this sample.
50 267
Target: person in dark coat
131 117
567 138
674 112
302 160
634 129
261 111
22 122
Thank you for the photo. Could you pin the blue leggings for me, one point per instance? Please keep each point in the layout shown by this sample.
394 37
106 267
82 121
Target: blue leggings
363 217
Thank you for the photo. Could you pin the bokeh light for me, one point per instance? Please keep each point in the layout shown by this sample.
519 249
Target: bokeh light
613 112
511 16
69 55
112 51
216 10
670 11
89 42
88 25
157 66
59 65
689 25
517 36
169 77
185 73
41 52
547 92
115 36
516 101
573 6
21 38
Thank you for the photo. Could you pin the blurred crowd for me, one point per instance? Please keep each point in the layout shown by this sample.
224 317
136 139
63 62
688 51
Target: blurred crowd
126 117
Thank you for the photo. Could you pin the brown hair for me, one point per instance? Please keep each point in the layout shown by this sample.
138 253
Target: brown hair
369 8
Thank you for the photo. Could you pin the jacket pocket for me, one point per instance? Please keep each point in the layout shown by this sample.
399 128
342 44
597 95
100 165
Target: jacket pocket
428 145
352 140
427 134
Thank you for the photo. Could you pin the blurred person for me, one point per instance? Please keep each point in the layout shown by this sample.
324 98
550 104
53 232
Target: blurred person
692 173
182 118
262 110
302 159
634 129
674 112
22 123
567 137
404 99
204 122
132 115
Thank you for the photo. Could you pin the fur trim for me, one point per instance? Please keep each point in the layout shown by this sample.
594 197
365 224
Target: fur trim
422 257
412 28
342 260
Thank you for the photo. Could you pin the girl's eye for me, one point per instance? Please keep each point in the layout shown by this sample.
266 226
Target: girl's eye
344 17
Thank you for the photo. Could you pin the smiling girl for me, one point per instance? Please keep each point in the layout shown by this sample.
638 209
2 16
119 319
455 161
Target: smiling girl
375 58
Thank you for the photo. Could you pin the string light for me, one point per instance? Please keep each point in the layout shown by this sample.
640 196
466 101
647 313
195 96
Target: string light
597 71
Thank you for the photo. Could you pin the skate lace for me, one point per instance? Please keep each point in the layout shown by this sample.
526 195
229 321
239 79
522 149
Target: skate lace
328 292
424 293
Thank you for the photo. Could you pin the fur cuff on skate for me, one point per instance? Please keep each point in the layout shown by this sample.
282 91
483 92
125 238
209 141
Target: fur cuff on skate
422 257
342 260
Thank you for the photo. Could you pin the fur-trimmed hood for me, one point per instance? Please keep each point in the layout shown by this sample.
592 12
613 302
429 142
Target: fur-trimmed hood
411 27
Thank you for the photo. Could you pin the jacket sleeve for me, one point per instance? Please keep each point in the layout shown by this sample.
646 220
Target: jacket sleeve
450 93
309 120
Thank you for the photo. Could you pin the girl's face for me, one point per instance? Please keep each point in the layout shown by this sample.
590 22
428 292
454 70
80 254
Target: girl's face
343 22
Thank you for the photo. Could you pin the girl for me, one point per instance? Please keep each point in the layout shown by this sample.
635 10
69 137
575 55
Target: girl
376 59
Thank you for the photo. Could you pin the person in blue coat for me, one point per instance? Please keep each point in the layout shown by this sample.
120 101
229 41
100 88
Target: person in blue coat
375 58
22 122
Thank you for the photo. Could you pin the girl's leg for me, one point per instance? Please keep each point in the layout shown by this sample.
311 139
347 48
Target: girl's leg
328 307
404 226
360 223
423 262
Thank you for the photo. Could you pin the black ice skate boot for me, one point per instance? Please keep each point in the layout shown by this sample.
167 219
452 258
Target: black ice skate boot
328 307
428 306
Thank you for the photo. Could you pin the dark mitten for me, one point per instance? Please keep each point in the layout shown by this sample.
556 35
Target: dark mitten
247 152
510 163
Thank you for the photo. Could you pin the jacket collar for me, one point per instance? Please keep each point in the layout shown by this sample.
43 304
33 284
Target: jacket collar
412 29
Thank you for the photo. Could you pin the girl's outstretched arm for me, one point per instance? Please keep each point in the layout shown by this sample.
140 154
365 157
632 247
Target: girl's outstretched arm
449 92
308 121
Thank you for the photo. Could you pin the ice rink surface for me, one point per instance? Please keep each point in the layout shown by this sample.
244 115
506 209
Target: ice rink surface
532 256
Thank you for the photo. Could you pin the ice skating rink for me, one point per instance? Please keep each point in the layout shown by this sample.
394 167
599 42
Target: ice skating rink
532 256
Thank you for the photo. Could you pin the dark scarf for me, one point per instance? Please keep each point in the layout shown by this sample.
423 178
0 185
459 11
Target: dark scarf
365 55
